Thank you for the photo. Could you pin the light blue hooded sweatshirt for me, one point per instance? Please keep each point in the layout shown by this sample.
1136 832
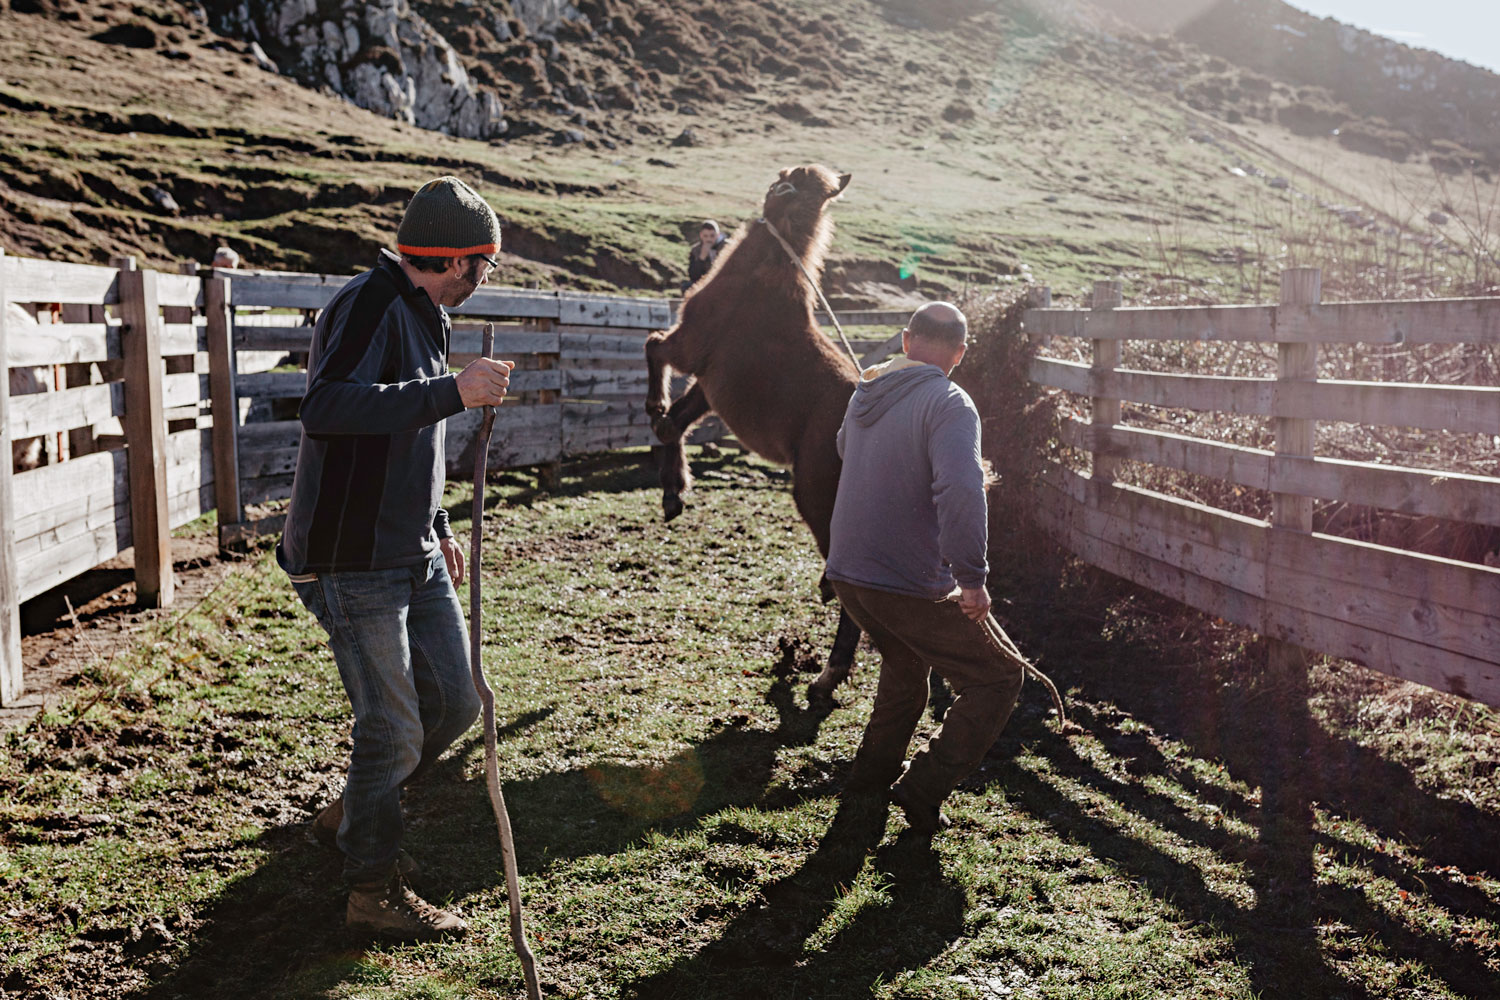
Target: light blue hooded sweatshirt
910 517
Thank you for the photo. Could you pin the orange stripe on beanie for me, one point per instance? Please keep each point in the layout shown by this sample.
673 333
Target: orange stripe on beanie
447 218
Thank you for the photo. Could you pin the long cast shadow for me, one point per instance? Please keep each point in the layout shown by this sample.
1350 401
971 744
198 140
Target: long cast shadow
1263 732
762 952
280 929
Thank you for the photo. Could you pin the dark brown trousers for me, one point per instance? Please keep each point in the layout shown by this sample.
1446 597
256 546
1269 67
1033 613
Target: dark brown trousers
913 636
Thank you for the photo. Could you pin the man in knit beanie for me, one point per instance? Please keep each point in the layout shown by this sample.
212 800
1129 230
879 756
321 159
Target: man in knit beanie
367 543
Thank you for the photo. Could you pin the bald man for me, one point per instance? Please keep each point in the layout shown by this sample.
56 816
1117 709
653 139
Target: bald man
907 560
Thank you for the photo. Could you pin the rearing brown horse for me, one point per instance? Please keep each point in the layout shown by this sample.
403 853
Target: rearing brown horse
748 334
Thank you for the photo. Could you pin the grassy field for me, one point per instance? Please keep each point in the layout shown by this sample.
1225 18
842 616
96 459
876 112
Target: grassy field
675 803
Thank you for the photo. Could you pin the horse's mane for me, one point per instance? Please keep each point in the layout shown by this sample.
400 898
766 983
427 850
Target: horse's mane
754 248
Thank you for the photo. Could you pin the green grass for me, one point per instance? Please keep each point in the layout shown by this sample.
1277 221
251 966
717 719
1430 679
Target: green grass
675 804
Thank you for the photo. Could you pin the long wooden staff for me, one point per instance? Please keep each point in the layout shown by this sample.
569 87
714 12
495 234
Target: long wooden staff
487 697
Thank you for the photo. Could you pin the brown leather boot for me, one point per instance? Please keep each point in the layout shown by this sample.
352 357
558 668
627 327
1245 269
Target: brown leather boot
391 910
924 820
324 829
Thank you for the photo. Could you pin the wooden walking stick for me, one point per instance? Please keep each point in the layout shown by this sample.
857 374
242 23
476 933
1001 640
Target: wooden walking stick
487 698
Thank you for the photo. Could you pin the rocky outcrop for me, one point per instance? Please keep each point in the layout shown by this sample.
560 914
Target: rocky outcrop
380 55
543 15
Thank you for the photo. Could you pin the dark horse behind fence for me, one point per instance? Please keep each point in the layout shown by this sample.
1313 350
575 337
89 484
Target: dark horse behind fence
748 335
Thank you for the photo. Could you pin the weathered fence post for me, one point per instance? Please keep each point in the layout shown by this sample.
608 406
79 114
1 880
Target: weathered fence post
224 404
549 475
146 435
1106 411
1301 288
10 589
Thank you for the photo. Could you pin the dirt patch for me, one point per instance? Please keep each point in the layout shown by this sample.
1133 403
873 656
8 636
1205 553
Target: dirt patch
58 644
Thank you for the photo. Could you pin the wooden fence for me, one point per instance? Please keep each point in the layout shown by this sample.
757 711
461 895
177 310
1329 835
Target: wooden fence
1419 617
139 364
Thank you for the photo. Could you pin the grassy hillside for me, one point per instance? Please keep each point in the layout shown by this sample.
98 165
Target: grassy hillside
987 144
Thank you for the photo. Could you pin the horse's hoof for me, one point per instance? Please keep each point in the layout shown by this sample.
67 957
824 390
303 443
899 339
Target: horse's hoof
671 506
819 701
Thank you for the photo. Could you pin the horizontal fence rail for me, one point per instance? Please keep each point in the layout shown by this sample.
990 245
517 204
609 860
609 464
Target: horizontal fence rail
1417 616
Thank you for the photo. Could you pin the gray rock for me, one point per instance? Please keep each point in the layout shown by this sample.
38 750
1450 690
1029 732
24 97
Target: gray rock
1279 183
262 60
330 44
689 137
163 200
1437 218
567 137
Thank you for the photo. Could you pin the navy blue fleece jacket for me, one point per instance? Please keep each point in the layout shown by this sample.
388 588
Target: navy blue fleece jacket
370 466
910 517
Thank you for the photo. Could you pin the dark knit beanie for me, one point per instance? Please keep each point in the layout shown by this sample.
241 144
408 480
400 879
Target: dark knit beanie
447 218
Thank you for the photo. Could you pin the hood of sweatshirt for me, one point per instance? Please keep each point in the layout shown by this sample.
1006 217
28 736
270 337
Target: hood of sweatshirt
882 386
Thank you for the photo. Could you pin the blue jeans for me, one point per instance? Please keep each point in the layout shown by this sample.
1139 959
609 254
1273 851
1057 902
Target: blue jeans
402 650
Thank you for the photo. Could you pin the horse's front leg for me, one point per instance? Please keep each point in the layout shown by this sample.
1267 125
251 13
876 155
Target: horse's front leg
658 378
840 663
671 430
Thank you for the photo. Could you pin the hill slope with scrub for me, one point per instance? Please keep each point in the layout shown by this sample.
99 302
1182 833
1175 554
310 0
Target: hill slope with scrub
990 141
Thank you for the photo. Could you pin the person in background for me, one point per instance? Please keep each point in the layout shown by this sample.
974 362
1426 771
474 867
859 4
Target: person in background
908 559
225 257
367 543
711 240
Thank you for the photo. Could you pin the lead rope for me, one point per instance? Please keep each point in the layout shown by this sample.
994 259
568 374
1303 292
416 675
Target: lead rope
487 698
858 365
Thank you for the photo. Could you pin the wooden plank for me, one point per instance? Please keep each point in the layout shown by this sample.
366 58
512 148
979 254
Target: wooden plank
57 564
508 342
27 279
1471 634
267 462
1462 409
1456 496
286 290
272 338
272 385
532 431
223 399
1458 408
1427 321
184 389
1381 636
1234 463
891 346
190 460
63 343
262 490
1402 658
1256 324
1181 585
183 338
1245 537
866 317
1105 410
145 430
594 383
599 310
583 347
271 434
1410 575
591 440
55 494
36 413
1164 545
11 680
179 290
1296 364
510 303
